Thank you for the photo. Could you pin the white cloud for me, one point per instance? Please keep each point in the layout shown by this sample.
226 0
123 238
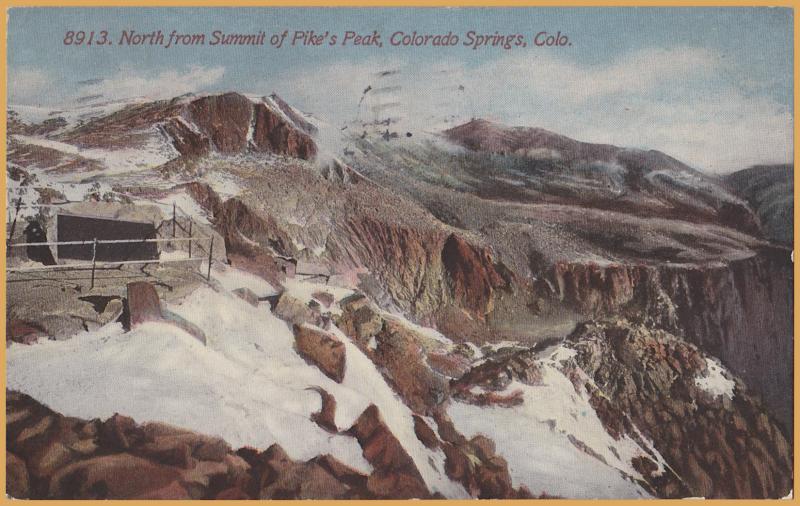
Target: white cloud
26 84
166 84
673 100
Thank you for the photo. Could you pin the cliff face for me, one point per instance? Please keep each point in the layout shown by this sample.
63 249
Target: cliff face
717 439
740 312
231 124
228 124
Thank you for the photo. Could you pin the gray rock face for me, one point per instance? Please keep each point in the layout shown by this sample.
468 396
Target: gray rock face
296 312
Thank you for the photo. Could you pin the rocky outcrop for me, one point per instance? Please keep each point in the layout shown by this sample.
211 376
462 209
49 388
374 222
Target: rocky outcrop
56 457
228 123
397 351
721 308
273 134
322 349
296 118
395 475
472 274
277 476
50 456
425 271
494 375
474 463
232 123
718 444
295 311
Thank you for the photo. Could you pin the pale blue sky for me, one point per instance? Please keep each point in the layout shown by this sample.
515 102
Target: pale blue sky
687 76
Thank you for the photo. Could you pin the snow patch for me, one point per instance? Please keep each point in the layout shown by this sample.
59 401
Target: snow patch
226 185
185 203
716 382
535 440
155 152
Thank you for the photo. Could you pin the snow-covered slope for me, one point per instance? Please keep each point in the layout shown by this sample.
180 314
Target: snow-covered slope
248 385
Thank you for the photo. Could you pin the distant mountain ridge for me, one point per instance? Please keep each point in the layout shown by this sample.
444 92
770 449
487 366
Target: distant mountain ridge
770 191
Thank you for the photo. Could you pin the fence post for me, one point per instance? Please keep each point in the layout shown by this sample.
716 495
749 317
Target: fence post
210 249
173 219
94 259
14 223
190 239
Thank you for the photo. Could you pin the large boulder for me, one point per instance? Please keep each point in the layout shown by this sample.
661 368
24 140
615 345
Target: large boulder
400 355
120 476
277 476
296 312
143 303
360 319
395 475
321 348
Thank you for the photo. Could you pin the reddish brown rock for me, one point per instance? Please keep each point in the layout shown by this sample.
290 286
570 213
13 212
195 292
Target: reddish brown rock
450 365
23 332
282 478
271 133
17 482
120 476
398 355
322 349
188 142
224 119
68 458
120 432
346 474
472 273
241 226
326 416
395 475
143 303
204 194
424 433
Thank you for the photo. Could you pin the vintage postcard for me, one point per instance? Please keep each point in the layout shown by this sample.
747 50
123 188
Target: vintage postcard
399 253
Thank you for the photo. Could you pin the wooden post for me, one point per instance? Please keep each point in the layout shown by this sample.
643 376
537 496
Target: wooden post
190 237
173 219
14 223
210 249
94 258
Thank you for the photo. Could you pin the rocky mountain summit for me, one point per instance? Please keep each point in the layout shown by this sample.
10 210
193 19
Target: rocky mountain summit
485 312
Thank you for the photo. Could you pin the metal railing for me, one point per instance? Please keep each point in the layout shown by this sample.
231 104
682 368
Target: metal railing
113 263
197 240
